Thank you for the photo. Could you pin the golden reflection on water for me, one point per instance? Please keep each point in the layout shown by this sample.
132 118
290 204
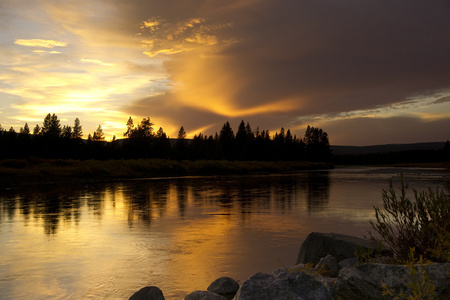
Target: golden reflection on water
106 241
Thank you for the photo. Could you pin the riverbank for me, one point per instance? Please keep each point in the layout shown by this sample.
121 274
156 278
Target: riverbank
37 170
329 268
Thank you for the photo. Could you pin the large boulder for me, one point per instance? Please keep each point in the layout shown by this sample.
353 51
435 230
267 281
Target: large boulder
341 246
148 293
365 281
286 284
224 286
204 295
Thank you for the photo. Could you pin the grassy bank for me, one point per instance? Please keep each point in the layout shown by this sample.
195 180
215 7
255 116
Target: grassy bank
34 170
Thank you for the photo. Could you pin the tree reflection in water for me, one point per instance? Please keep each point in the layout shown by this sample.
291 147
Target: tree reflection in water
145 200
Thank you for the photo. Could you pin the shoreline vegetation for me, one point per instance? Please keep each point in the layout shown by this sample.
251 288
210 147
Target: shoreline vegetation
33 170
15 172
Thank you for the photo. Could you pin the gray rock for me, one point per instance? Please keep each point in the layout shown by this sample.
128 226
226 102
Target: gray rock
204 295
148 293
318 245
328 266
365 281
224 286
355 284
294 285
348 262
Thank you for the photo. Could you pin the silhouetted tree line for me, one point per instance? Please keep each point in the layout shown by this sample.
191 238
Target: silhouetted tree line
395 157
53 140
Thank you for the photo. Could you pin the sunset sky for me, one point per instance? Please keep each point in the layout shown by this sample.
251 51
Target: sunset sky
367 72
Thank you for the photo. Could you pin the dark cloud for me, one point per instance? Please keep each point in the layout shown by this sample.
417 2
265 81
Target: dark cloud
320 57
442 100
395 130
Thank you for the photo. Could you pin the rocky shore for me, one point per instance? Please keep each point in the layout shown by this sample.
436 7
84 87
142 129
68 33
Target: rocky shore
326 268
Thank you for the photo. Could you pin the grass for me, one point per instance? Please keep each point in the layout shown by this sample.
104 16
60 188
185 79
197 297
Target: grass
37 170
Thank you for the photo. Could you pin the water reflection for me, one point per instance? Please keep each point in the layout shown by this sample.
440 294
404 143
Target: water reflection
175 233
318 191
145 200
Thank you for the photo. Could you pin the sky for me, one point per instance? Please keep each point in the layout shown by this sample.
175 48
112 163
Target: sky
366 72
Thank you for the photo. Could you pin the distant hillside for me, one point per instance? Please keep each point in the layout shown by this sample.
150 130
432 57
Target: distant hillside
343 150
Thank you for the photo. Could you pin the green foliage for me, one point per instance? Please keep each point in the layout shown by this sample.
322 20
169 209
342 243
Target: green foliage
420 287
422 223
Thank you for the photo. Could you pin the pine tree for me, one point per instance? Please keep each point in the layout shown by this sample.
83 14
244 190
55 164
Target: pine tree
25 130
51 126
66 132
161 134
317 144
77 132
226 141
37 130
226 133
241 135
181 146
181 134
130 128
249 132
98 134
145 129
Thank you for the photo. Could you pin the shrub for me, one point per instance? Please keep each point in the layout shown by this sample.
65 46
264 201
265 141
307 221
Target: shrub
422 224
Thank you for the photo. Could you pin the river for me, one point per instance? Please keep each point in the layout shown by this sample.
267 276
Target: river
108 240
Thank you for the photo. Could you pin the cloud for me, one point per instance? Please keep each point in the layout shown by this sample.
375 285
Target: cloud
201 64
40 43
162 36
442 100
95 61
46 52
298 59
394 130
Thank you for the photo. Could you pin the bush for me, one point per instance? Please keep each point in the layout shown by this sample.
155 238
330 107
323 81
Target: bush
422 224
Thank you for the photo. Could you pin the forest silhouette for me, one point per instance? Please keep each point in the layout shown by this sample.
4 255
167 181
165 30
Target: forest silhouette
141 141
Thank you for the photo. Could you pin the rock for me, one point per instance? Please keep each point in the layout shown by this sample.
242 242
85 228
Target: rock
328 266
204 295
355 284
148 293
318 245
284 284
365 281
348 262
224 286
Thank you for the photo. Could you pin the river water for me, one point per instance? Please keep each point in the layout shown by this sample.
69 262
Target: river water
108 240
